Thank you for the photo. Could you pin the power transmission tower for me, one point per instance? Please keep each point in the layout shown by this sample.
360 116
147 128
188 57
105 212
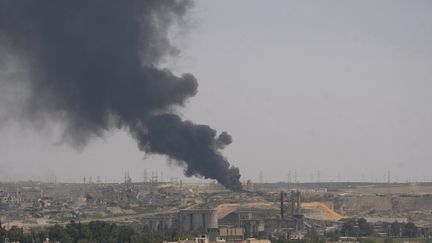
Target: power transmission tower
261 177
145 176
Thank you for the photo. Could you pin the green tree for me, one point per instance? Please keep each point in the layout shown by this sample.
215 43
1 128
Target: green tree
125 234
57 233
314 237
395 229
15 234
86 241
2 233
74 231
101 231
410 230
333 236
388 240
365 229
349 228
38 235
367 240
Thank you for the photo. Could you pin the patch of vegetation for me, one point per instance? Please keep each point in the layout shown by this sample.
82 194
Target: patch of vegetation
94 232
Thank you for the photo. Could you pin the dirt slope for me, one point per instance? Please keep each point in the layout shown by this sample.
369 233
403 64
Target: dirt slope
328 213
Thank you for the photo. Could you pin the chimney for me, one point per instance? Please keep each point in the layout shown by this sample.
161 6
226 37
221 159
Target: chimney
282 204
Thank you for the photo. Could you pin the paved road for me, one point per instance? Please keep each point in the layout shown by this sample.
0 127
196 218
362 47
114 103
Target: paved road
126 218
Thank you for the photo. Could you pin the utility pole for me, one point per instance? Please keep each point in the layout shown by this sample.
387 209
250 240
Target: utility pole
145 176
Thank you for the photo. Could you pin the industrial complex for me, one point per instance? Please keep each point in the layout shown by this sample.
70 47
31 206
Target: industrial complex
261 211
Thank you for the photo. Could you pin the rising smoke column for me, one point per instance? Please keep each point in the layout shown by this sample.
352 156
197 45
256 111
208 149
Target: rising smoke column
93 66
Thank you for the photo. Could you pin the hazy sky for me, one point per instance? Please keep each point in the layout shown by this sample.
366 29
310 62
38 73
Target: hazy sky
339 87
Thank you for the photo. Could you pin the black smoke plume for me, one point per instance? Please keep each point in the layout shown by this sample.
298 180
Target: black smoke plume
93 65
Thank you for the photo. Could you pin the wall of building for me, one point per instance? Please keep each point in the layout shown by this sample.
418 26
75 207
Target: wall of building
197 220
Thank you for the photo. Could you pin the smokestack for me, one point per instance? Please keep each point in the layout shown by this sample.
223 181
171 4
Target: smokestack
293 202
282 204
92 65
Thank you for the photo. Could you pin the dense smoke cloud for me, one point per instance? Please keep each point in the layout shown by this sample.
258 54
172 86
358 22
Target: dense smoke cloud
93 65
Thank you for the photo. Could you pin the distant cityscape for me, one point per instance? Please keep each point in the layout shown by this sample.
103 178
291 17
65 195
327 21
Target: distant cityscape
272 211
